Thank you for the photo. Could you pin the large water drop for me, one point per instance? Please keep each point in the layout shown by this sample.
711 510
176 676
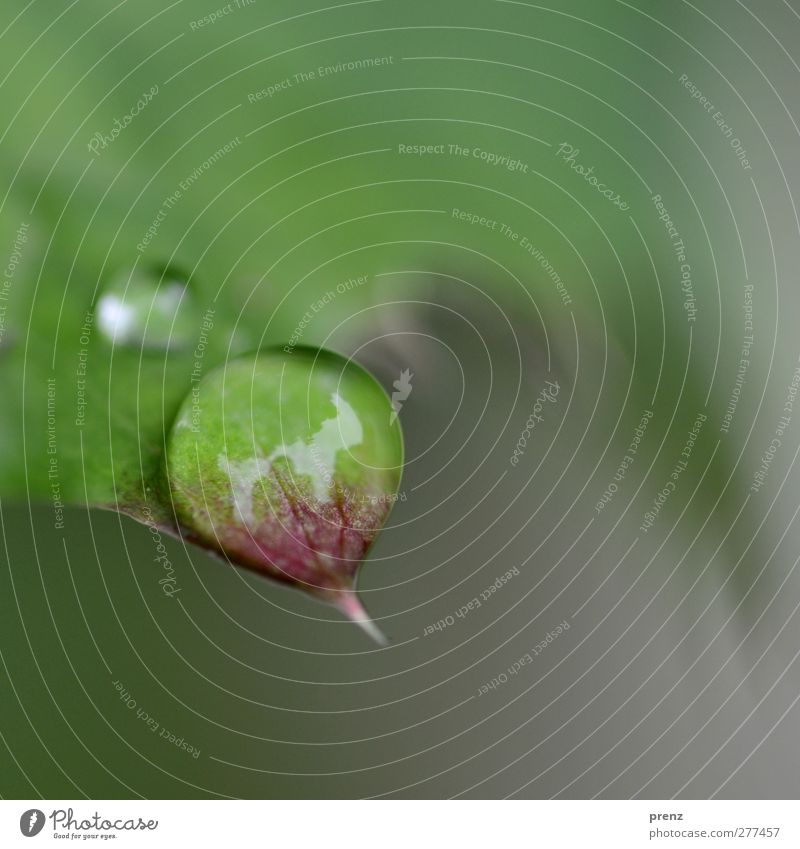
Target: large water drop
288 462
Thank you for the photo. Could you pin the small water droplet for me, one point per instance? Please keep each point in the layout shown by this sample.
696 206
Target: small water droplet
148 308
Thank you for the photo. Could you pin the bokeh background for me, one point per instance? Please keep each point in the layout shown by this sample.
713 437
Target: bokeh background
618 650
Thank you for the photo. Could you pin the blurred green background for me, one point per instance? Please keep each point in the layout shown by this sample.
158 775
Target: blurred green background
274 160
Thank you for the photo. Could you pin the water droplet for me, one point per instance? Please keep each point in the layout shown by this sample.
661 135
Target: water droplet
289 463
148 308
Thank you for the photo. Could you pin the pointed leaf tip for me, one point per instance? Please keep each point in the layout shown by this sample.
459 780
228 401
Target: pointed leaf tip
350 605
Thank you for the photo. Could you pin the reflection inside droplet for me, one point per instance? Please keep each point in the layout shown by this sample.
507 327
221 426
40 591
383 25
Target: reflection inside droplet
147 308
